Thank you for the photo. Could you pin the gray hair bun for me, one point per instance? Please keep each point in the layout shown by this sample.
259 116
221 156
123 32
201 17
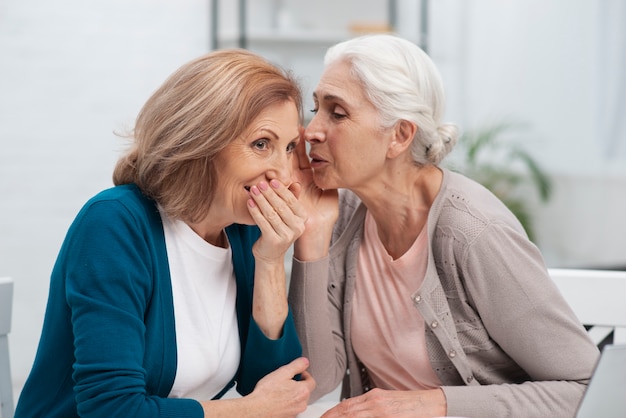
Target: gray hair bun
442 142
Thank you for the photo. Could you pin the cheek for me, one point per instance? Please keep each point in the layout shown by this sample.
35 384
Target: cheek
231 190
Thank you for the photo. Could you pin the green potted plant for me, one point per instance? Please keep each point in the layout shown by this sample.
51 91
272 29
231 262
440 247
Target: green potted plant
505 168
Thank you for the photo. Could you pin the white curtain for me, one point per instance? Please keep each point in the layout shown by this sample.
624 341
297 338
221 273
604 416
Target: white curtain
611 77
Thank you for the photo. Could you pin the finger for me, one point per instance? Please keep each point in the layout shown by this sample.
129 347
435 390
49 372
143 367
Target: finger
287 196
275 212
334 412
296 367
259 208
296 188
279 206
307 379
349 407
303 159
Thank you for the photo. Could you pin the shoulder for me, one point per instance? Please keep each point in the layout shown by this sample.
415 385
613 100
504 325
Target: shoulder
348 205
466 208
121 203
121 213
127 195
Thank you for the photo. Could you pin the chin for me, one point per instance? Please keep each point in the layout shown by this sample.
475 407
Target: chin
245 219
324 183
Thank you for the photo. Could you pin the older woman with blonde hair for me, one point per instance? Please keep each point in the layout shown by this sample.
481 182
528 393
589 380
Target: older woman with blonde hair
170 287
417 287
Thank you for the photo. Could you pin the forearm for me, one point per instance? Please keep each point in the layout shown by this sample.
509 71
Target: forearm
269 305
250 406
322 340
244 407
529 399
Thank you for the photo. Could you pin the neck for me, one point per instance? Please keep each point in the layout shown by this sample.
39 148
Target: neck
213 236
400 207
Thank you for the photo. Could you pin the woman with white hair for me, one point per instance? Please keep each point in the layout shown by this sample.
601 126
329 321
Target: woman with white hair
413 284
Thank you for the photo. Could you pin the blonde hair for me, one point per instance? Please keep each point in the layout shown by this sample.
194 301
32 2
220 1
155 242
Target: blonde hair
200 109
402 83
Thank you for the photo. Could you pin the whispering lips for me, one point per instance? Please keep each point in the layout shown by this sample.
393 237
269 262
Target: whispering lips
247 188
316 160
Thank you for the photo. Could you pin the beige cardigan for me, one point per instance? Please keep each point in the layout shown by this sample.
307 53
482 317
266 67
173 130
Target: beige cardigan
499 335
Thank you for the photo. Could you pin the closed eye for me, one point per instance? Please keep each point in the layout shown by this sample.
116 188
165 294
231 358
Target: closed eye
338 112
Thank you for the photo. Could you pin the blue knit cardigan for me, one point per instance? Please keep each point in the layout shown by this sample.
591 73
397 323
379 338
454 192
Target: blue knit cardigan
108 345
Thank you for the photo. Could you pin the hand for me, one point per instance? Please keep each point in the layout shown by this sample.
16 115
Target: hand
281 218
279 215
320 205
278 395
395 403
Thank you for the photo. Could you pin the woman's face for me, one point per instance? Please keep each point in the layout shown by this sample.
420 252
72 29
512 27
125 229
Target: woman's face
264 152
347 144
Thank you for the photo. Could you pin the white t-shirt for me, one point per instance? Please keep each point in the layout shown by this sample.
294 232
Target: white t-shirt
207 334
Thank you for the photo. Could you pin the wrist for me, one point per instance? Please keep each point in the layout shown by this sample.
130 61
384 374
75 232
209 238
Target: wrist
311 248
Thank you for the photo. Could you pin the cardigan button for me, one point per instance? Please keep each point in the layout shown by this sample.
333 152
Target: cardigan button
452 354
469 379
434 324
417 298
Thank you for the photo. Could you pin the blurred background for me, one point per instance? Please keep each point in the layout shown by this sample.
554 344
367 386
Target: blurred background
537 86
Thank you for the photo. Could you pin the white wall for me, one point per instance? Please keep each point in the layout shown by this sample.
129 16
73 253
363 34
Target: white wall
548 65
71 72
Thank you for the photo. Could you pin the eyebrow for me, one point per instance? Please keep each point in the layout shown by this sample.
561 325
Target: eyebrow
274 136
269 131
330 97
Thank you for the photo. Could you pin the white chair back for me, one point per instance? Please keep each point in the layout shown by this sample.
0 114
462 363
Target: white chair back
598 298
6 385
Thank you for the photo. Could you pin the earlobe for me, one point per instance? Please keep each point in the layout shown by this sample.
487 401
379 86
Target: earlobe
403 134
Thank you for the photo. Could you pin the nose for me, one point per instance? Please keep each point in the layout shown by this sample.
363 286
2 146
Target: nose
281 168
315 131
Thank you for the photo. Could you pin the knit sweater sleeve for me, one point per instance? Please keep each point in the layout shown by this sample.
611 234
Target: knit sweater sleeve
525 315
109 285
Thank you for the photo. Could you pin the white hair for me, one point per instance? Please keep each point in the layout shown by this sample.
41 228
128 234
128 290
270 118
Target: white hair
402 82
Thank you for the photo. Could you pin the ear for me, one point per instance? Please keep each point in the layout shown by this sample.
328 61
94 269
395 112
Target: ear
403 134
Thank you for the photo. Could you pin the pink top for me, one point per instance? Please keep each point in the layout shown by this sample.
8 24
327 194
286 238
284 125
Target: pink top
386 335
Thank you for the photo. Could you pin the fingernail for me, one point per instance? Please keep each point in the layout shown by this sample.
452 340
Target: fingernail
263 185
275 184
255 190
251 203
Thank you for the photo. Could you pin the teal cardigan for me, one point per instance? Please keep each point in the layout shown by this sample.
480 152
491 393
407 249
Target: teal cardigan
108 345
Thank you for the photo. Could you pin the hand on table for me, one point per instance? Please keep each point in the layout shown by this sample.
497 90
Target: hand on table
278 395
387 403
